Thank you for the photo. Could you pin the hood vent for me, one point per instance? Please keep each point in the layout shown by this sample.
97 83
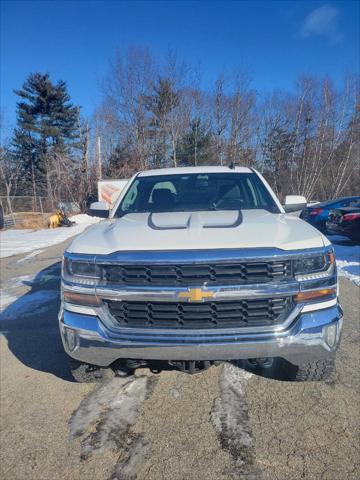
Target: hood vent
196 220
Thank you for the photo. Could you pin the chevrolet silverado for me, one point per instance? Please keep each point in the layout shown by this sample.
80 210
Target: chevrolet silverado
194 266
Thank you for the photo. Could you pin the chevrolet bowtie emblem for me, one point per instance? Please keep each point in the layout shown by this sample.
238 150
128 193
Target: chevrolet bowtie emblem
196 294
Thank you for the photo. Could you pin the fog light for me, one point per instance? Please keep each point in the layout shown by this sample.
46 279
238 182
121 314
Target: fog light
330 335
71 339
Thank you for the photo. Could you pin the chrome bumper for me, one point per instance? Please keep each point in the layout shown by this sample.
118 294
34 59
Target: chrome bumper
311 336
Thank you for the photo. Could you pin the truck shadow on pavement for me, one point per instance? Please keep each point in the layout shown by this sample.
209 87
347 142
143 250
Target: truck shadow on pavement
30 325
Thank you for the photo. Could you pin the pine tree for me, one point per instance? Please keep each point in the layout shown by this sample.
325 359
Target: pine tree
47 123
194 147
277 153
160 105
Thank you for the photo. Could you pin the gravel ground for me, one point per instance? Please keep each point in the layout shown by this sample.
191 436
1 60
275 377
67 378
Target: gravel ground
224 423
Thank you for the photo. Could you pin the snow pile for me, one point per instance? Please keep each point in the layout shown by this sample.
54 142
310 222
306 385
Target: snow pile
83 218
347 258
15 242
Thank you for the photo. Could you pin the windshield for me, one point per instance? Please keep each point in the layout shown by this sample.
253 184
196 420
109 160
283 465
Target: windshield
196 192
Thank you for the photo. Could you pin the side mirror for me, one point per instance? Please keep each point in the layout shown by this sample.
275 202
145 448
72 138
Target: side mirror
99 209
293 203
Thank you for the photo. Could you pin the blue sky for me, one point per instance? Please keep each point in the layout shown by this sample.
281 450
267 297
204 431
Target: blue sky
273 41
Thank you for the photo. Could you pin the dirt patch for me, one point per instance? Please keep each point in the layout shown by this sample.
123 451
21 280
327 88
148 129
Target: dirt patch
174 423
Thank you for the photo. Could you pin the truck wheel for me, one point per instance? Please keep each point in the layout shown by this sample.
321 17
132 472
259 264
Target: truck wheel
84 373
280 369
313 371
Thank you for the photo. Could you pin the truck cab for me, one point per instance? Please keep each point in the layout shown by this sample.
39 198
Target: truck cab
199 265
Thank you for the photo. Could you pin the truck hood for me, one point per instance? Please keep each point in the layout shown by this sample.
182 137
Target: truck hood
197 230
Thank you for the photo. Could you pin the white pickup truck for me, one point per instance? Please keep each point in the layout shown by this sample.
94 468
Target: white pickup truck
199 265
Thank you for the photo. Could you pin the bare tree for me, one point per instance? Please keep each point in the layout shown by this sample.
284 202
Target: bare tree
344 156
241 119
124 109
178 118
153 114
221 118
317 138
9 174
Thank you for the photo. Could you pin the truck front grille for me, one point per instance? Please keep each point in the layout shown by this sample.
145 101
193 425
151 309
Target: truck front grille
227 314
199 274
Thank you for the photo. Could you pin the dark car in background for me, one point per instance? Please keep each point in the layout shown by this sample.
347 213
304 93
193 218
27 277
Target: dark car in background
345 221
318 214
1 218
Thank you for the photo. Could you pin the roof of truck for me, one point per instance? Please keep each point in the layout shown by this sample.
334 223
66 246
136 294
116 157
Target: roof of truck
188 170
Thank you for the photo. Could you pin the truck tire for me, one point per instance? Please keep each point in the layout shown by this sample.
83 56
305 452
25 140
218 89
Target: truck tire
313 371
84 373
281 369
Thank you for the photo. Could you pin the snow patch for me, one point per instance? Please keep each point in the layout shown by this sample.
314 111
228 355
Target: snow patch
14 289
84 219
15 242
23 280
347 258
5 299
231 421
350 270
126 468
30 256
105 416
15 286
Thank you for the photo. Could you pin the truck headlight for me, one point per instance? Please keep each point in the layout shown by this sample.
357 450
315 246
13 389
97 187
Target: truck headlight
314 267
84 272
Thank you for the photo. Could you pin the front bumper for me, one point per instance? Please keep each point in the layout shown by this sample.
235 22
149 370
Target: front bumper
311 336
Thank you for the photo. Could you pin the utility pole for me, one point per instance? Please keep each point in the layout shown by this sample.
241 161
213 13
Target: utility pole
99 156
87 133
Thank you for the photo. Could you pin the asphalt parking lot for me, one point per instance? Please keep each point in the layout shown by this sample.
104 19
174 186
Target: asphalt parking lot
224 423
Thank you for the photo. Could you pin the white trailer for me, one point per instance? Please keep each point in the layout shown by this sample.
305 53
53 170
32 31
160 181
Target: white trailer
109 190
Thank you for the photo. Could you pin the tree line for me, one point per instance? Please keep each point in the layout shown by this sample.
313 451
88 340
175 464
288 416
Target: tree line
154 113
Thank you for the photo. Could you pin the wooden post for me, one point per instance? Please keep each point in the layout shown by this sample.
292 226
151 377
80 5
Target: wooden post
99 156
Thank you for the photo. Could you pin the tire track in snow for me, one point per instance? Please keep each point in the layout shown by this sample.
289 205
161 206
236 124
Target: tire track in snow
231 421
104 419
